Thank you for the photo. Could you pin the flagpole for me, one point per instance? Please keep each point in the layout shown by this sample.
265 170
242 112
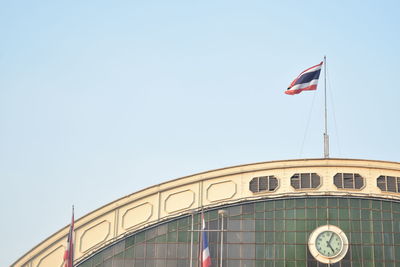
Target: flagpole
326 137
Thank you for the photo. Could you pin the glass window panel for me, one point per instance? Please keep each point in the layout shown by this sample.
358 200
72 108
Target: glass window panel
376 204
279 225
391 183
311 202
366 226
389 253
301 238
248 237
279 214
184 251
279 251
248 225
253 185
300 225
355 226
295 181
365 214
381 182
290 225
171 251
388 238
322 214
279 237
387 206
343 214
387 226
290 214
233 237
290 204
337 180
355 238
235 210
262 184
315 180
260 238
233 251
396 238
259 206
377 238
359 181
269 237
300 213
290 237
269 225
139 251
311 213
355 214
333 213
161 250
322 202
150 250
248 251
348 180
273 183
172 237
377 226
279 204
259 225
260 252
305 180
290 252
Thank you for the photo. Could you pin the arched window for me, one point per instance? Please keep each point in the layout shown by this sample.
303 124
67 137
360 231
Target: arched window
388 183
305 180
348 180
263 183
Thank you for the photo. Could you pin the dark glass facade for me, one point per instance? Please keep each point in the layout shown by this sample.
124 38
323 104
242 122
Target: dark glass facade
271 232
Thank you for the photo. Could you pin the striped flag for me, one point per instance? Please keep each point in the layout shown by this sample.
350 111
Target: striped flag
306 81
206 258
69 251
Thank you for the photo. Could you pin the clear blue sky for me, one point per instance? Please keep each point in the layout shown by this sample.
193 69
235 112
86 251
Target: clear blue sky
99 99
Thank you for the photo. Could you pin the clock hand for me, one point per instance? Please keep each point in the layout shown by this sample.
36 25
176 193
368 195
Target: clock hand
329 245
330 239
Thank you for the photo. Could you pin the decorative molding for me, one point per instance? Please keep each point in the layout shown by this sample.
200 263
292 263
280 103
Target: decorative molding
53 258
94 235
179 201
137 215
221 191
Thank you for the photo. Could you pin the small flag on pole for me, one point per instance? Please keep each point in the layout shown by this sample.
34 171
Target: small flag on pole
306 81
69 251
206 259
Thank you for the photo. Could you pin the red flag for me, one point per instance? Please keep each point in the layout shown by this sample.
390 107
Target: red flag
69 251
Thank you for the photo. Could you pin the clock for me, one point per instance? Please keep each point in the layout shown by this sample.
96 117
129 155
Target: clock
328 244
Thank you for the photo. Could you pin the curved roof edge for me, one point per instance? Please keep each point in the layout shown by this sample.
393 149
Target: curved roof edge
176 197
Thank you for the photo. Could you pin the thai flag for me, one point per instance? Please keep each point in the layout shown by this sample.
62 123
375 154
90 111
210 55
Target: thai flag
69 251
206 258
306 81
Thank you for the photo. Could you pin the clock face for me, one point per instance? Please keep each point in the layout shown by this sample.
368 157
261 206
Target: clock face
329 244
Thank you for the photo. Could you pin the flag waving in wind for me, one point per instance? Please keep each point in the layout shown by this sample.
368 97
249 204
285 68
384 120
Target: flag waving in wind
306 81
69 251
205 257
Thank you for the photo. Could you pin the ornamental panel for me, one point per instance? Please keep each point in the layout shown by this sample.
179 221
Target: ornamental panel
137 215
95 235
221 191
179 201
54 258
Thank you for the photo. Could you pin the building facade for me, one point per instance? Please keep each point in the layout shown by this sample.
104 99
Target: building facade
316 212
